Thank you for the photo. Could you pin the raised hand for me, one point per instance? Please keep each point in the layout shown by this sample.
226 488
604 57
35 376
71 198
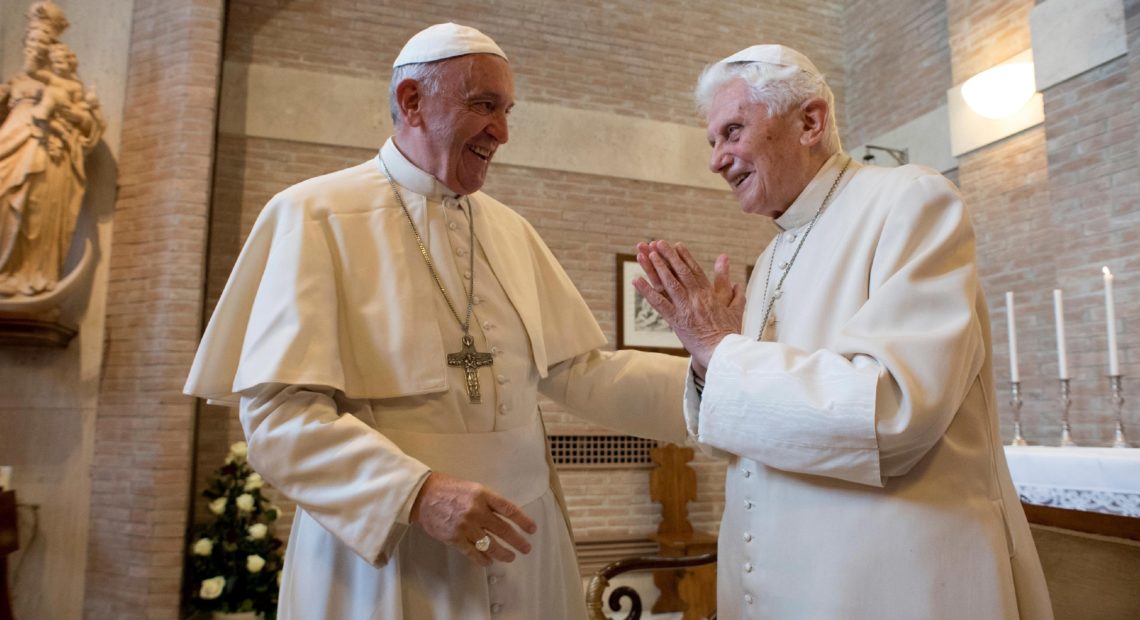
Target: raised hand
460 512
700 312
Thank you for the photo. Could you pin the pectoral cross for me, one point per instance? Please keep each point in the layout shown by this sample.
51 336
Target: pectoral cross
471 360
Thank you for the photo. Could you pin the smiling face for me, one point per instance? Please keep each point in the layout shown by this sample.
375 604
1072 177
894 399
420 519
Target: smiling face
767 160
454 133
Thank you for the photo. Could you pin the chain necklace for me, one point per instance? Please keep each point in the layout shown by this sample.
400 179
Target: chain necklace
776 294
467 357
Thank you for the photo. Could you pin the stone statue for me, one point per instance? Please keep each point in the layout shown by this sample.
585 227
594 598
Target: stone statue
49 121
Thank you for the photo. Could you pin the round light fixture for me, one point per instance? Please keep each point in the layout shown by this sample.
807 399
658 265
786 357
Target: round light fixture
999 92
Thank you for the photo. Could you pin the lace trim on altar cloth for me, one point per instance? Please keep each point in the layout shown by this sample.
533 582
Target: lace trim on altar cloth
1108 502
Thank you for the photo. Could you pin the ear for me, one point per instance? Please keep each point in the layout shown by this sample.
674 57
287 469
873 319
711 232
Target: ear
813 115
409 100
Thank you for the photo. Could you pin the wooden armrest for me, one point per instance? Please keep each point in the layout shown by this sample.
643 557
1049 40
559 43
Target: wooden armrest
601 581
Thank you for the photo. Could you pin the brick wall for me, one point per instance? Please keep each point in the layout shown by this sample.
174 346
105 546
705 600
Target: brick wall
1052 205
888 52
636 57
144 426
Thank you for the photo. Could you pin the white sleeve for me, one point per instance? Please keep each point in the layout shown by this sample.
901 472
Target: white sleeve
633 392
871 404
307 442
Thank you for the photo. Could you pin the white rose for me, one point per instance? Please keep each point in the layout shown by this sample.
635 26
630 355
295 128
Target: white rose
245 502
204 546
239 449
257 531
254 563
218 506
212 588
254 482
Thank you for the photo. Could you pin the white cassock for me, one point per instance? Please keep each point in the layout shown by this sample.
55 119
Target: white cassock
334 336
866 477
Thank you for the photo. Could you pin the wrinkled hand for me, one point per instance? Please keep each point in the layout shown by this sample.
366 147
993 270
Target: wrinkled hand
701 313
459 512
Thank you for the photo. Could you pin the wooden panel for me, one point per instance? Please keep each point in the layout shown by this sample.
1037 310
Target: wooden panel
1088 522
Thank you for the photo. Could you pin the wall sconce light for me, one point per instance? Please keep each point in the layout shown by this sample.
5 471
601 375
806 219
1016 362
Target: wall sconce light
901 156
999 92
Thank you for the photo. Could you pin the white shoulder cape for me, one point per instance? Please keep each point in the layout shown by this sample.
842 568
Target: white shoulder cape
330 289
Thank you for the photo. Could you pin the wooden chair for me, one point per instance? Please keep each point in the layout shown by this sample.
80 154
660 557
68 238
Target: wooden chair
685 566
600 582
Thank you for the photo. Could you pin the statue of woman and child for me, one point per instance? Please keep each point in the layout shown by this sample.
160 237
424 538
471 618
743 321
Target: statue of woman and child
49 121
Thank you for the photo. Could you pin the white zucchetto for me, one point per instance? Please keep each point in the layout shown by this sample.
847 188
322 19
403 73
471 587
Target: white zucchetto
446 40
774 55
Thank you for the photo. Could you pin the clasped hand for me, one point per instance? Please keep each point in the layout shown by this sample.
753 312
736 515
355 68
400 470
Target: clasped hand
460 512
700 312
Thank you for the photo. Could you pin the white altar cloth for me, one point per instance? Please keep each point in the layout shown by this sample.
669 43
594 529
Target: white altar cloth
1091 479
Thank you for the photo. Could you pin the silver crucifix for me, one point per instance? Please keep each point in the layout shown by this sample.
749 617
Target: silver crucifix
471 360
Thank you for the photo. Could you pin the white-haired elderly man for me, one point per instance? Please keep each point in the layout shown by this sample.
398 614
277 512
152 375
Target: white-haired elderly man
850 387
386 330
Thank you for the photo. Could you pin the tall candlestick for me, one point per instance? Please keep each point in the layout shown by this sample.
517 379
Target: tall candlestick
1110 319
1010 320
1059 317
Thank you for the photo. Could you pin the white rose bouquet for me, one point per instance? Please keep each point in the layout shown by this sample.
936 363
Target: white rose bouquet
235 560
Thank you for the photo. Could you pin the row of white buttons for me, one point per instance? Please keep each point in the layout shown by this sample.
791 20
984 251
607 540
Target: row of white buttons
747 473
495 607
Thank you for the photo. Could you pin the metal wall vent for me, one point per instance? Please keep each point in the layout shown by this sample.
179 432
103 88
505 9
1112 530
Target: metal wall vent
601 451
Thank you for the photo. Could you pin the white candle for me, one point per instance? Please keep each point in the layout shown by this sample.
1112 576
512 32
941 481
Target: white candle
1110 319
1059 315
1009 317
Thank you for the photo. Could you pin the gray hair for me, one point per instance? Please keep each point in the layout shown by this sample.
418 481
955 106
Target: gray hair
427 74
779 88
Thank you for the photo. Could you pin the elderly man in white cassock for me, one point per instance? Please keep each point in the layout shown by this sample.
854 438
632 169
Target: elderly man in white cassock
387 330
850 386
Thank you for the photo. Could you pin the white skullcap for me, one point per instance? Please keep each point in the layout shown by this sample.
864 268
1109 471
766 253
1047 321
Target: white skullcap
774 55
445 41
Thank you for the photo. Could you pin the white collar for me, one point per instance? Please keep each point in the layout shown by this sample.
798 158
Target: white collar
805 205
409 176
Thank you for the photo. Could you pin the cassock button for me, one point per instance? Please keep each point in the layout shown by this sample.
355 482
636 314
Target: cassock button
488 325
783 265
746 473
492 580
502 379
747 537
748 567
496 608
791 237
747 504
461 251
467 274
504 408
475 299
452 225
496 350
748 598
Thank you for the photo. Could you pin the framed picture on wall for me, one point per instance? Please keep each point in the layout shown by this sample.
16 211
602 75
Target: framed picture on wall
639 326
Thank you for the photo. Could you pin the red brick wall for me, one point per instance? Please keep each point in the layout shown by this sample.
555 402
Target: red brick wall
144 426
